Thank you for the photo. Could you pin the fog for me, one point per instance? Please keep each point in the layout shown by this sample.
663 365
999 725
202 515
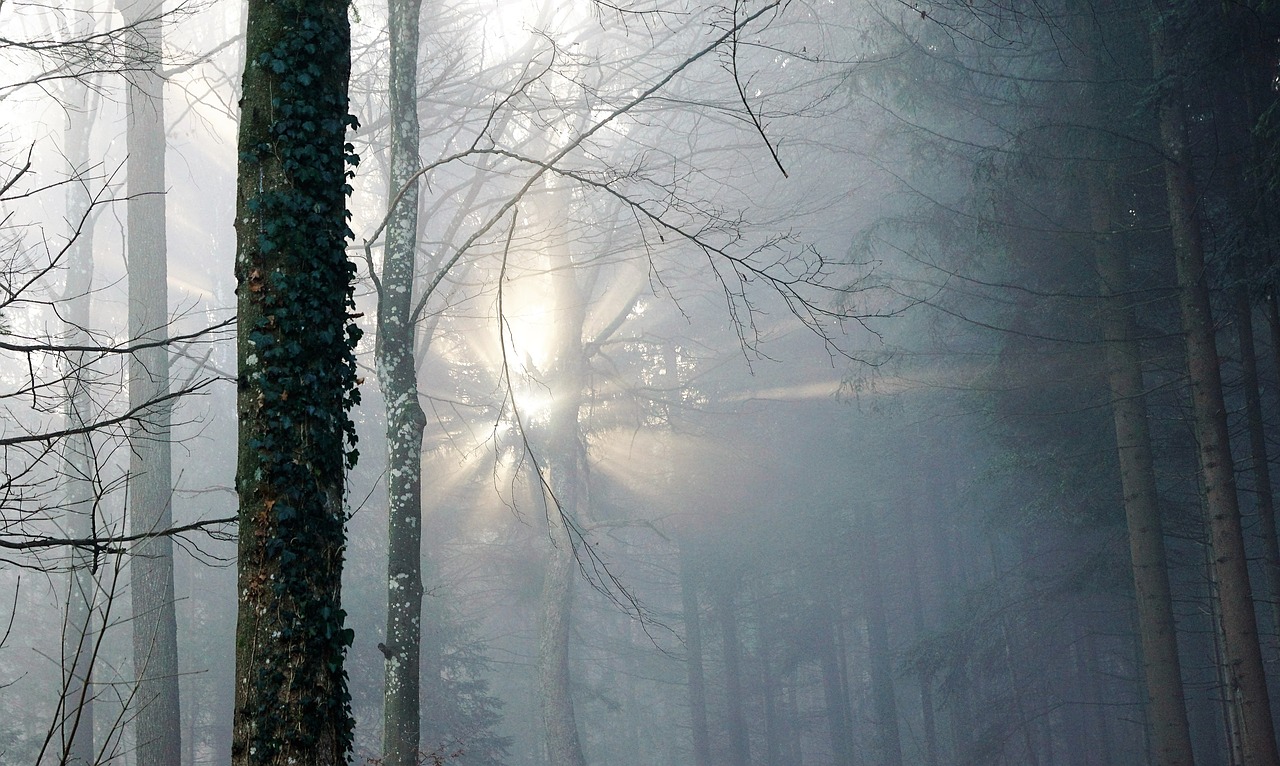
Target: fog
832 383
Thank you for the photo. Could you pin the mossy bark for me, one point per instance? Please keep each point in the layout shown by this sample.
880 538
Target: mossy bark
296 384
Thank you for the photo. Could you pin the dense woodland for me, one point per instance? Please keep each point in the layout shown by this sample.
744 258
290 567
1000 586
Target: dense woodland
536 383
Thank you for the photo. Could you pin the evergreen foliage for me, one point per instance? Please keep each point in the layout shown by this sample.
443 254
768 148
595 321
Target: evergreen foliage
297 382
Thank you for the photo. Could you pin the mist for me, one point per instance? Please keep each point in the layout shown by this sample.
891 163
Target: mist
532 383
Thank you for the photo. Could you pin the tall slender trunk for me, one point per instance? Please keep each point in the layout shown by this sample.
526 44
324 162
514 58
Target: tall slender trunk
1161 668
1259 465
155 642
768 681
397 377
739 740
880 654
1247 685
837 703
567 500
296 385
1234 110
795 750
693 649
559 722
77 456
928 716
1226 708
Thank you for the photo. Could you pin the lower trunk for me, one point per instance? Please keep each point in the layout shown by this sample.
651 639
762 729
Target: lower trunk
739 739
76 715
403 645
560 727
1161 670
881 656
928 718
693 647
768 685
836 702
1259 465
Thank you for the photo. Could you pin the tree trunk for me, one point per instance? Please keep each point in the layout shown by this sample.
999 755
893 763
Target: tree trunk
693 661
77 457
880 655
1228 711
1247 683
566 491
928 717
155 642
397 377
834 694
1161 668
739 740
297 381
768 681
559 723
1259 464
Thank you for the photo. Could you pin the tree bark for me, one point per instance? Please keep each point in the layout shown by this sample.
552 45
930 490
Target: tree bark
1247 683
928 716
739 739
693 659
834 694
397 377
560 726
77 461
1259 464
297 381
566 492
1161 668
155 642
768 681
880 655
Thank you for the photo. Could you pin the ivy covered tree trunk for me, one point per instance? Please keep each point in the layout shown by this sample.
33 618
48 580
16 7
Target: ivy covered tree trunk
297 381
155 629
397 377
1246 683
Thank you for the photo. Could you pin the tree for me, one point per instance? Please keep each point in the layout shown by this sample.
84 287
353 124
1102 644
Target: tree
155 640
1166 713
77 738
296 383
398 380
1243 655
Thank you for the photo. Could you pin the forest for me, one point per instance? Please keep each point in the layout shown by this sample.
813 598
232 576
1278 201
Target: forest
537 383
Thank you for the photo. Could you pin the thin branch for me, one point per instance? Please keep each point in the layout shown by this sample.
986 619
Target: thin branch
110 544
